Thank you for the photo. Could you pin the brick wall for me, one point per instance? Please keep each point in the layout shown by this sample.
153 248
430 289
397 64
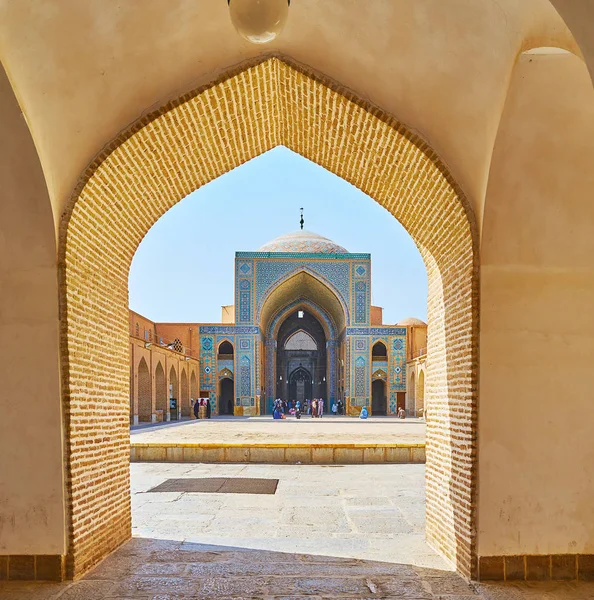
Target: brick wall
145 404
186 144
141 327
377 315
160 388
184 395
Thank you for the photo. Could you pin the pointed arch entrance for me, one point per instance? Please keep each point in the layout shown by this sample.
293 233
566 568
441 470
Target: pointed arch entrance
300 385
190 142
226 396
378 397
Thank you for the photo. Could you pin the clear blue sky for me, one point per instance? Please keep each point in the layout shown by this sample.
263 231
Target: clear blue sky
251 205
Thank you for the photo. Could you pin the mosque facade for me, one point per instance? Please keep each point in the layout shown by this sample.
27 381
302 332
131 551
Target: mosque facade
302 326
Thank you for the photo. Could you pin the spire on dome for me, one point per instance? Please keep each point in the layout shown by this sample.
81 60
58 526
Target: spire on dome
302 221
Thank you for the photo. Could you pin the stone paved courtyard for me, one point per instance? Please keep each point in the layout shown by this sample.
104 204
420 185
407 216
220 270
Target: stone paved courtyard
329 429
328 532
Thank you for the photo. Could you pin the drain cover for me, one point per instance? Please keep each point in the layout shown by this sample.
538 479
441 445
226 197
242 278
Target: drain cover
219 485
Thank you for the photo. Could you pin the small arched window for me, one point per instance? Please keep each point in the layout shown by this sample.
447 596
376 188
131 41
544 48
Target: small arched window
226 348
379 351
301 340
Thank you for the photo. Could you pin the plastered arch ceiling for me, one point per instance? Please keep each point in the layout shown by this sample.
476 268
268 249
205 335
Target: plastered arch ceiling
442 68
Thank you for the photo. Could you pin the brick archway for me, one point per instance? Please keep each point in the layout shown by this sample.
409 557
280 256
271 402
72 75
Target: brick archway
168 155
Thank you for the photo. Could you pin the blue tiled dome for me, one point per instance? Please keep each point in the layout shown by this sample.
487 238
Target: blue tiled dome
303 241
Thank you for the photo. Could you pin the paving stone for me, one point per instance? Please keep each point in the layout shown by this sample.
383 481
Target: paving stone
322 586
21 590
88 590
138 585
265 430
403 587
450 586
283 548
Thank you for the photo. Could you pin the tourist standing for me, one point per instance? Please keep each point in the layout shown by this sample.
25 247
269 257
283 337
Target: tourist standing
208 409
202 408
196 408
334 408
320 407
314 408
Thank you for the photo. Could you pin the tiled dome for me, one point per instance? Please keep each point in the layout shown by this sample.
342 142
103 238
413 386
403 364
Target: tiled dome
412 322
303 241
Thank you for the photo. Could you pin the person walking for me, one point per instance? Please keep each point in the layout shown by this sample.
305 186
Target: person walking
208 408
197 408
314 408
320 407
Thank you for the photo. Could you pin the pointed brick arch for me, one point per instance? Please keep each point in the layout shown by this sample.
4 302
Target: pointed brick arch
160 389
193 386
186 144
173 382
184 394
144 392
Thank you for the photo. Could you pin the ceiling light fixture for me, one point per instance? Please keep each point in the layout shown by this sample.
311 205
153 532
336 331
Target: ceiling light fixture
259 21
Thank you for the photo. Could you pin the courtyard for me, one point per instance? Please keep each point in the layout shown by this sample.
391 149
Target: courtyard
269 162
264 430
327 532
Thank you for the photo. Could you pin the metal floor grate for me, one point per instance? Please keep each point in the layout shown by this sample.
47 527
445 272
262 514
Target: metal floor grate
219 485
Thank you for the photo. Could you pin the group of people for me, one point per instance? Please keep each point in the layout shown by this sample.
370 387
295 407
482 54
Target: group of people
202 408
314 408
338 408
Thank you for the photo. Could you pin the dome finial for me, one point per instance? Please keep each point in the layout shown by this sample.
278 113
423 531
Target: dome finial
302 221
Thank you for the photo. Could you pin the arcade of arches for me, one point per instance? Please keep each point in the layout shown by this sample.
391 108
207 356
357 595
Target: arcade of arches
472 122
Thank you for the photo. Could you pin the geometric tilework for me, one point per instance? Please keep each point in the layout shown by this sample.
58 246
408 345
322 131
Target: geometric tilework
360 302
360 378
398 363
229 330
334 273
401 331
245 376
208 377
245 309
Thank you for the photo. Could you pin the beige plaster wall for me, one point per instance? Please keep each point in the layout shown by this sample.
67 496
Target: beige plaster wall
441 68
536 481
579 17
31 478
